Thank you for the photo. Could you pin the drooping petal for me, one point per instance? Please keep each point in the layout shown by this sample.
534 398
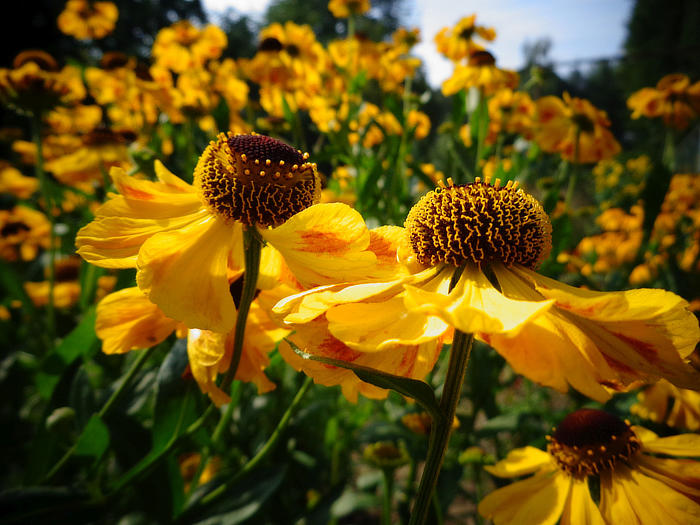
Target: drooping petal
520 462
205 351
628 496
645 334
580 508
185 273
680 445
126 320
681 474
142 209
324 244
413 361
376 326
473 305
538 500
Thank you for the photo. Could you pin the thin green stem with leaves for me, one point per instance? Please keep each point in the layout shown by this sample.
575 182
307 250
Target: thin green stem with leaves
107 407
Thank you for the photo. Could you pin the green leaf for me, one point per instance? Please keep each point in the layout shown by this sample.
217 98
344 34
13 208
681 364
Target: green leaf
94 440
173 410
413 388
82 341
244 498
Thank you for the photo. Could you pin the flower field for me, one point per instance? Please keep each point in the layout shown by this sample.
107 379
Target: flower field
293 283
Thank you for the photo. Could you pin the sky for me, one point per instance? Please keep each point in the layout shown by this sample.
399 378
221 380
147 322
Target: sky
580 29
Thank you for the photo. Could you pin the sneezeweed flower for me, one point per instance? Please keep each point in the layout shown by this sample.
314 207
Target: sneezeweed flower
555 334
510 112
85 19
14 183
574 128
101 150
36 85
636 486
183 46
457 43
674 99
346 8
66 287
187 240
23 232
480 73
664 403
127 320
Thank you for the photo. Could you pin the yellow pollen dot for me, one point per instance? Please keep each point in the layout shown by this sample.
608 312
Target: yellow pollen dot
235 189
479 223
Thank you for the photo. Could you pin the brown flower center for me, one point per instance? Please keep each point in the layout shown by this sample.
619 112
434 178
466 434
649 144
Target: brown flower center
590 441
256 179
479 223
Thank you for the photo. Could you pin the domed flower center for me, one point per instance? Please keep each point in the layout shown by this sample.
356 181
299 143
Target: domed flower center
479 223
583 123
270 44
590 441
42 59
482 58
256 179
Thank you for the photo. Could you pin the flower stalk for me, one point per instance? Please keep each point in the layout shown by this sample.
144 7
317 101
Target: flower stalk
441 428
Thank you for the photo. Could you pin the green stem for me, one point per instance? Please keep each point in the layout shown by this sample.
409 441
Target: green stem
439 520
482 128
262 453
252 246
388 475
669 153
441 428
351 26
48 206
135 367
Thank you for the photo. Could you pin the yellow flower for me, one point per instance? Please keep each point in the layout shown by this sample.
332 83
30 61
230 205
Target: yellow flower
189 465
675 99
23 231
182 46
186 241
127 320
66 290
102 149
83 19
664 403
636 486
36 85
345 8
419 122
574 128
511 112
12 181
456 43
481 73
552 333
78 119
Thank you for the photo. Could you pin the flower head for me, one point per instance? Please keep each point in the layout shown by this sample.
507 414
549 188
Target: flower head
83 19
35 84
187 241
457 43
594 444
674 99
574 128
465 260
345 8
481 73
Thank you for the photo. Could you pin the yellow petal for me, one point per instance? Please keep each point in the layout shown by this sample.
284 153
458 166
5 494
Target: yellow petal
580 508
681 474
371 327
185 273
324 244
680 445
126 320
538 500
520 462
205 351
473 305
651 500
